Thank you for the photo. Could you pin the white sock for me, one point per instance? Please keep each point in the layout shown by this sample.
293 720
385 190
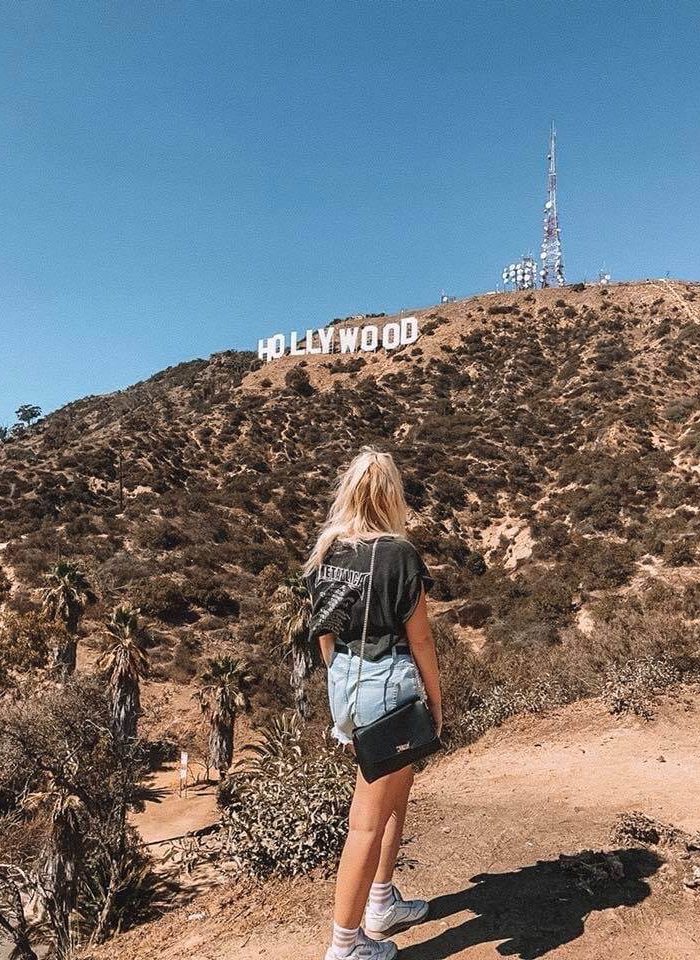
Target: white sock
381 897
344 940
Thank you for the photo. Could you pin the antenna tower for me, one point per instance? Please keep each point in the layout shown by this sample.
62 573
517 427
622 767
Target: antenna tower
552 269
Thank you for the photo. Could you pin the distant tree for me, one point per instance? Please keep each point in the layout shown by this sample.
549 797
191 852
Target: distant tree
291 611
4 433
28 412
67 594
223 692
126 663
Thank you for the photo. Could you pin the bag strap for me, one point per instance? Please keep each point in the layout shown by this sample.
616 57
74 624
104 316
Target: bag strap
366 621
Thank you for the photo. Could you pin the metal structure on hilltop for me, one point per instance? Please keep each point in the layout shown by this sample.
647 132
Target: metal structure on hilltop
552 262
521 275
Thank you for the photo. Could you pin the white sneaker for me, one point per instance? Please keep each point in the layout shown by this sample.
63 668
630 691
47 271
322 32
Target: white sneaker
366 949
401 915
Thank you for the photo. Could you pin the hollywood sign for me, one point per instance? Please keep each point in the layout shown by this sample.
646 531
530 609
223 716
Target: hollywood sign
341 339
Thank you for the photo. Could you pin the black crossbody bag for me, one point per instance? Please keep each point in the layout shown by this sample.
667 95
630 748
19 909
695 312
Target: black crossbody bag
402 735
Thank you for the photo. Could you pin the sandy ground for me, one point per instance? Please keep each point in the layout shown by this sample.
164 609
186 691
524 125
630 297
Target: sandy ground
170 813
486 827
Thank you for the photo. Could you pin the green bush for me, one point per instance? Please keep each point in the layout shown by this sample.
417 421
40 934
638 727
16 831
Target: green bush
286 814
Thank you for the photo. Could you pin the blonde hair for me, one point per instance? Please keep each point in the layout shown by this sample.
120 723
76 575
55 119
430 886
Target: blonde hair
369 501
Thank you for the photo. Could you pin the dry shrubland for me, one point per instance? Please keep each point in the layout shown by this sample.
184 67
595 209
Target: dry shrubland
549 444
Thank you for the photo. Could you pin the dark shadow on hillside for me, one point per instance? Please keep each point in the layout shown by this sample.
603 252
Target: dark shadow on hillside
533 910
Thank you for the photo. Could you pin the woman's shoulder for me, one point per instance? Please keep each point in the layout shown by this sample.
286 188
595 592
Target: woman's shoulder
402 548
401 543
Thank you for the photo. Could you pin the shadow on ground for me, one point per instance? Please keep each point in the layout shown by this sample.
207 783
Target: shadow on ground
532 910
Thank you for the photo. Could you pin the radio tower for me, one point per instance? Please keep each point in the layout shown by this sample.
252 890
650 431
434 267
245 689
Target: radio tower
552 270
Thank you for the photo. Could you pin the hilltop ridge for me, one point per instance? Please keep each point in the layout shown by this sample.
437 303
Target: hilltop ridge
552 436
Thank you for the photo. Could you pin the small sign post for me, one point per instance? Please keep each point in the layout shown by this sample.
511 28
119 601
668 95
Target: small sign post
184 760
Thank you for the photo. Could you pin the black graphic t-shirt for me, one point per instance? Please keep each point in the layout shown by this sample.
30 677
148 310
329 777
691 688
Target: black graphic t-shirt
338 594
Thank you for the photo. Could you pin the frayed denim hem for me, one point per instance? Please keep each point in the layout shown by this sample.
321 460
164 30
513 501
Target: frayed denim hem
343 739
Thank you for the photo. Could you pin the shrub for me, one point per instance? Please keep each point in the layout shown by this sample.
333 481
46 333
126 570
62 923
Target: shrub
475 563
185 658
446 583
631 687
679 554
287 813
503 701
160 535
601 564
497 309
160 597
210 593
297 379
26 641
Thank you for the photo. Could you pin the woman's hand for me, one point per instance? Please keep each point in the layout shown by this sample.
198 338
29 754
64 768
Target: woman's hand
420 640
436 714
327 644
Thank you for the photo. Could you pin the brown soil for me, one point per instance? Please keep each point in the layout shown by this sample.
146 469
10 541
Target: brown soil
169 812
486 827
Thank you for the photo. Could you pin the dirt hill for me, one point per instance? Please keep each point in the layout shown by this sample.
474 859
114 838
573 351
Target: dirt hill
550 444
552 433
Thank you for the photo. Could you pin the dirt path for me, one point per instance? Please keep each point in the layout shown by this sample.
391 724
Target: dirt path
168 814
485 830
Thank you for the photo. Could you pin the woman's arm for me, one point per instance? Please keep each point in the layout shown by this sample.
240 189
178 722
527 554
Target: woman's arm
327 643
420 640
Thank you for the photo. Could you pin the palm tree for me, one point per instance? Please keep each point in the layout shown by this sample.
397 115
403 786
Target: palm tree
223 692
291 611
62 858
67 594
126 663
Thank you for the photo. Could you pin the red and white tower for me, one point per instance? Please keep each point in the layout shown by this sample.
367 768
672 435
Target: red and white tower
552 262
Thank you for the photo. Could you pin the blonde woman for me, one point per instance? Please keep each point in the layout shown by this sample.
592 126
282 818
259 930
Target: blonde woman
399 663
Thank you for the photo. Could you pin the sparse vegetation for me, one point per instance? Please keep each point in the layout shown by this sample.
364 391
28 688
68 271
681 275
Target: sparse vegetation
550 463
285 813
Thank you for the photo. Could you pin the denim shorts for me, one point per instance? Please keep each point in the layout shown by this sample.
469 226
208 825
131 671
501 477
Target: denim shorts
385 684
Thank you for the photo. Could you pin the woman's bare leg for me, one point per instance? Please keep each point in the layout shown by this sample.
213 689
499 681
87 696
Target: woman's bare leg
371 808
393 832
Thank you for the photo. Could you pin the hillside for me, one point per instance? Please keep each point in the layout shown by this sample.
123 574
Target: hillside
485 832
550 443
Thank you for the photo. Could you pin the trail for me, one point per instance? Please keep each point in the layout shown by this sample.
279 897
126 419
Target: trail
685 306
485 829
168 814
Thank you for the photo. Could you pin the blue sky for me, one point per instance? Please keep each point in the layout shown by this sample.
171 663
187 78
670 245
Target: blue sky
179 178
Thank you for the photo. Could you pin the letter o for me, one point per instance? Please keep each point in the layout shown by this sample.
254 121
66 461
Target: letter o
276 345
391 336
369 338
